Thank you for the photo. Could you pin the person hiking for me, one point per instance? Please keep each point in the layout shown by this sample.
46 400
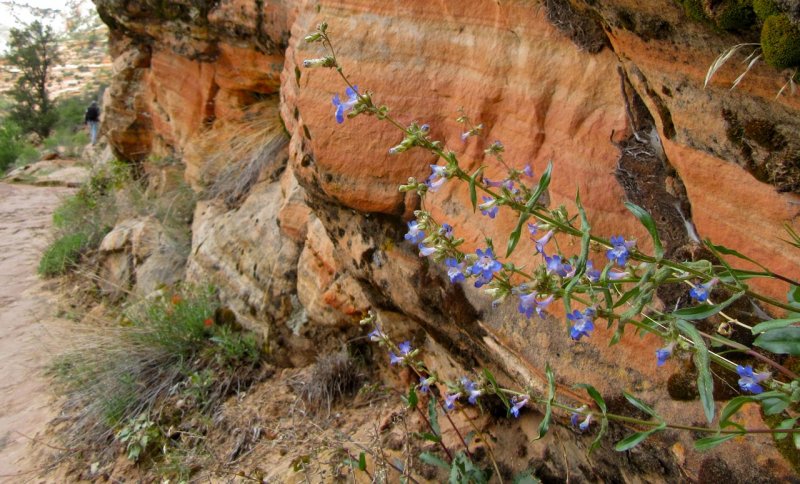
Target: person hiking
92 118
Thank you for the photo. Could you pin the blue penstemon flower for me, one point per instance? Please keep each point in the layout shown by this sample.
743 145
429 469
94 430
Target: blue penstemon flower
582 324
486 265
450 400
543 241
749 381
425 251
404 348
527 304
437 178
455 269
517 403
576 416
701 292
663 354
415 233
489 206
343 106
425 383
472 390
620 250
557 266
592 274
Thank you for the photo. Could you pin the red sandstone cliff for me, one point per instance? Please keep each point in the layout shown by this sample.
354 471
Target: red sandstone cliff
614 97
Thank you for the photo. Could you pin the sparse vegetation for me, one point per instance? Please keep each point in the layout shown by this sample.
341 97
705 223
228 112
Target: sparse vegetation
780 41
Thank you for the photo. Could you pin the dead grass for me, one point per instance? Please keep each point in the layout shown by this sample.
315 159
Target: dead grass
237 153
333 378
581 27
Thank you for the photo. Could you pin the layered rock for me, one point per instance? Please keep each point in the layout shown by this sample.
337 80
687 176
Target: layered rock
619 108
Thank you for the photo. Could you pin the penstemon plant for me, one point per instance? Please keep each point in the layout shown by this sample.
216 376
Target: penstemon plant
621 292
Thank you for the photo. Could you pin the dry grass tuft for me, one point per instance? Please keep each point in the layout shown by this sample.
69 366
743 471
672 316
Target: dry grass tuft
237 153
334 377
581 27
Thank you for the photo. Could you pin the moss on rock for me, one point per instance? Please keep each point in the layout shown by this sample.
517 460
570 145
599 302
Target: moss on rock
780 41
694 9
734 15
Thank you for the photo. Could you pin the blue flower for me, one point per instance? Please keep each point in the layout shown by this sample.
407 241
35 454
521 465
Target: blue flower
620 250
516 404
617 275
576 416
425 251
491 183
394 359
377 335
527 304
556 265
455 269
532 229
472 389
450 400
701 292
486 265
344 106
543 241
437 178
591 273
749 381
541 305
415 234
425 383
585 424
663 354
582 323
405 347
489 207
482 281
528 171
446 231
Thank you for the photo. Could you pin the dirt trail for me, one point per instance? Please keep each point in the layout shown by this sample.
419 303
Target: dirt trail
26 317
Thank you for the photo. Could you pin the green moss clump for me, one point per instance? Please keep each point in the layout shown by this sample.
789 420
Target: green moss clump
734 15
694 9
780 41
765 9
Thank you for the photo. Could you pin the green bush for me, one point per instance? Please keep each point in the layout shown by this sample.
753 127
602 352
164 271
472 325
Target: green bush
11 144
694 10
63 254
780 41
734 15
765 9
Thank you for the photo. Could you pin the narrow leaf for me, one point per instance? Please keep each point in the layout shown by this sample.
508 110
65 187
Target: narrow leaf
783 341
362 462
544 425
592 391
705 383
513 239
705 310
785 425
639 404
650 225
412 399
434 460
728 251
473 194
599 438
774 324
732 408
707 443
495 387
633 440
433 417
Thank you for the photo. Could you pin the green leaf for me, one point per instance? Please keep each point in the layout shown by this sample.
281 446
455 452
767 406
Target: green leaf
707 443
362 461
633 440
544 425
732 408
774 405
434 460
433 416
725 250
774 324
785 425
783 341
525 477
639 404
705 310
586 239
544 181
599 438
705 383
626 296
473 194
513 239
649 224
495 387
430 437
411 400
592 391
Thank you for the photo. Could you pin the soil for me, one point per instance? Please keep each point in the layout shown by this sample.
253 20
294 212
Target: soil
27 321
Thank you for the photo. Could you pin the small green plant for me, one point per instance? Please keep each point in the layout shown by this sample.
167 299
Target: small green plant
780 41
11 144
764 9
140 435
63 254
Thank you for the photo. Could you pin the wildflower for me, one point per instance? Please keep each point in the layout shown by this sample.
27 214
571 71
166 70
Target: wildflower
555 265
527 304
543 241
620 250
508 184
415 234
663 354
394 359
437 178
532 229
585 424
516 404
208 322
455 269
492 183
377 335
486 265
327 61
582 323
425 251
489 206
700 293
528 171
617 275
577 416
482 280
591 273
472 389
446 231
495 148
344 106
425 383
541 305
450 400
749 381
425 128
405 349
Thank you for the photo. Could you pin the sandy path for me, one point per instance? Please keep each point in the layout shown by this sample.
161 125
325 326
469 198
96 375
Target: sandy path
26 314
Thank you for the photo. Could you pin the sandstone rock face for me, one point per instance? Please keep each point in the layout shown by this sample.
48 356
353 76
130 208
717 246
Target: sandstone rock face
617 105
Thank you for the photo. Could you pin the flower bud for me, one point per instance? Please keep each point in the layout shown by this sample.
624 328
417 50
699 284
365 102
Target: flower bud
326 61
315 37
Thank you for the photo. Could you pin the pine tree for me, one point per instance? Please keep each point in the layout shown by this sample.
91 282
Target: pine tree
33 50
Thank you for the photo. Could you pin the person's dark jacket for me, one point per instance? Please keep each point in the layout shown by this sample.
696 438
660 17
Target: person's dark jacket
92 114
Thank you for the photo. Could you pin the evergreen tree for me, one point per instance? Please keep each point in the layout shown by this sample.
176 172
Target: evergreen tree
33 50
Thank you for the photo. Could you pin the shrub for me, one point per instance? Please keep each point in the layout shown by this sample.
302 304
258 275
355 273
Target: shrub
765 9
694 10
780 41
62 254
734 15
11 144
126 382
